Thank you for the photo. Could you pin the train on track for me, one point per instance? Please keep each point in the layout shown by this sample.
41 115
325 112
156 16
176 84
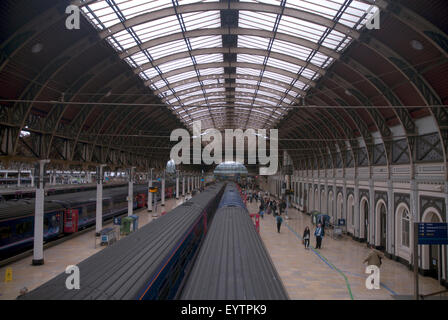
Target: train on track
233 263
60 210
151 263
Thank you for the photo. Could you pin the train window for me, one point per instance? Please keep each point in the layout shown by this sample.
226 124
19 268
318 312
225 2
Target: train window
5 232
23 227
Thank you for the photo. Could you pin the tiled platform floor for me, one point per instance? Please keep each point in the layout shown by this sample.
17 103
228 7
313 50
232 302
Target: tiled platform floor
304 273
308 276
57 258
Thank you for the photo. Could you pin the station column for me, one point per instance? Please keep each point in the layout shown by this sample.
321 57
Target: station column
150 193
99 198
163 190
177 185
188 184
38 252
183 185
357 222
131 191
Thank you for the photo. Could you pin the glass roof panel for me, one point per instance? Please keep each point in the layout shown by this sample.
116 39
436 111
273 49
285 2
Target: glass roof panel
205 42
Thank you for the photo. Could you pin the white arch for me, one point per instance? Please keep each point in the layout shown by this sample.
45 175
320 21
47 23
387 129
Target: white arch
364 218
330 205
316 199
432 214
350 213
400 249
310 199
339 206
378 221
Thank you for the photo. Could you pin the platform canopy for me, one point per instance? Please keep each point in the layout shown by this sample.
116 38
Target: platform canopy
231 64
344 90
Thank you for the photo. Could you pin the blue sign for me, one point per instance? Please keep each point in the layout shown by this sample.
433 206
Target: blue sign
433 233
117 221
341 222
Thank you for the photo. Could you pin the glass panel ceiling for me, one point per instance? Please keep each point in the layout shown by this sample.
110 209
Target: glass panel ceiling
204 68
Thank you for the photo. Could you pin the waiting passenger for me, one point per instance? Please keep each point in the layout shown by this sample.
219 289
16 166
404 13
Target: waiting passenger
319 233
261 210
306 237
279 220
374 258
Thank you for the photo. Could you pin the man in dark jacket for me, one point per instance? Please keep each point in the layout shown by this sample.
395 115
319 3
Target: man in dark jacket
319 233
279 220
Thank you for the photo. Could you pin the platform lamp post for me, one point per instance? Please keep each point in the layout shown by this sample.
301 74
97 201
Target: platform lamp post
188 184
38 252
183 184
150 193
99 199
131 191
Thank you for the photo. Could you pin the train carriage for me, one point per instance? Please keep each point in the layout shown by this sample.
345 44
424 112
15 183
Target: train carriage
151 263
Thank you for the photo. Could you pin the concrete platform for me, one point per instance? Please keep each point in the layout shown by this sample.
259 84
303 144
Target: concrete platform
336 271
57 258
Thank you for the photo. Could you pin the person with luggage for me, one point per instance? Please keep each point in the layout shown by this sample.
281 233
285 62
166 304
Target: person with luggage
306 237
374 258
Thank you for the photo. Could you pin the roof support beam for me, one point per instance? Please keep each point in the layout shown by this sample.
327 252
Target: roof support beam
232 31
232 65
217 6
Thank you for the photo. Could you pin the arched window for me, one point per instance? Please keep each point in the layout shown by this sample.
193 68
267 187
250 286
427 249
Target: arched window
405 228
351 209
330 204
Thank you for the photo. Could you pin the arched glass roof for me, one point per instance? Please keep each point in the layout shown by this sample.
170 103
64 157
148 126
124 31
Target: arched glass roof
237 64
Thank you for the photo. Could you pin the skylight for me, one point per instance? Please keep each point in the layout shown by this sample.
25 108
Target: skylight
260 60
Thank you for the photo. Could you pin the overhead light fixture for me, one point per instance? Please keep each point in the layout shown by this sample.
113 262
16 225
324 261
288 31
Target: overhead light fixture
347 92
37 48
417 45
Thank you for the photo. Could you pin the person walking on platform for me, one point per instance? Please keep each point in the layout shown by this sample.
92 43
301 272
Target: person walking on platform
268 207
261 210
279 220
319 233
306 237
282 206
274 207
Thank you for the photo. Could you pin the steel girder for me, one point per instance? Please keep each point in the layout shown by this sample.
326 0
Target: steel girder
237 95
422 87
374 114
236 77
83 82
34 89
228 85
382 89
322 125
238 50
198 7
248 65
